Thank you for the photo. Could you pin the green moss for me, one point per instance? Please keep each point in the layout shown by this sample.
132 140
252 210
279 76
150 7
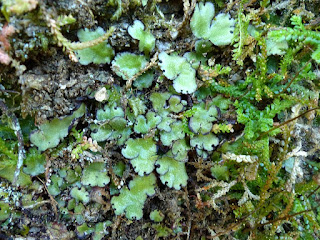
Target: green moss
34 163
172 173
142 153
221 129
95 174
146 39
218 30
50 133
180 71
156 216
126 64
80 194
131 200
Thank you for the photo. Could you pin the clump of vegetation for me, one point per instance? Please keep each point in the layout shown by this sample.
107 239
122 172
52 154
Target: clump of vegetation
195 126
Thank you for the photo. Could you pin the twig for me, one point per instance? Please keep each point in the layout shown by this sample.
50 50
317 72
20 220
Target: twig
115 226
286 122
18 132
186 194
284 217
188 10
37 204
153 62
313 192
295 76
88 44
69 46
54 203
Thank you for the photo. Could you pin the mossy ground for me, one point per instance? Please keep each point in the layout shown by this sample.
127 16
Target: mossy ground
246 180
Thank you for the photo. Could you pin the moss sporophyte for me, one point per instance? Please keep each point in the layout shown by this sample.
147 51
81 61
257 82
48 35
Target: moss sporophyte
168 120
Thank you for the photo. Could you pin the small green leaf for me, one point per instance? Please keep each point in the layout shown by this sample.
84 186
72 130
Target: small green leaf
84 230
218 30
95 174
131 200
221 30
201 19
50 133
221 173
144 125
34 163
276 47
146 39
156 216
55 186
176 133
80 195
137 105
201 121
4 211
159 100
175 104
143 154
126 65
114 128
180 150
172 173
144 81
204 142
180 71
195 59
203 46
